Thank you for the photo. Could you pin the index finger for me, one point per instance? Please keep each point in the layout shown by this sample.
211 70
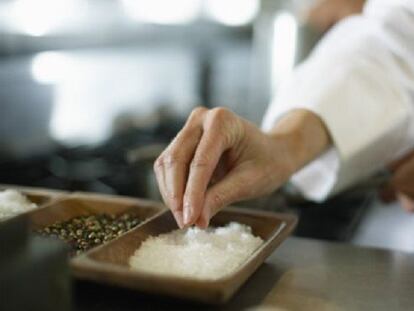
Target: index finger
172 166
220 132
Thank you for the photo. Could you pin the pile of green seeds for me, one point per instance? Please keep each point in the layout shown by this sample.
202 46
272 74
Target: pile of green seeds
85 232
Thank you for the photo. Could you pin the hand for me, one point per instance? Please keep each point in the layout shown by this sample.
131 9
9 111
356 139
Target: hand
325 13
219 158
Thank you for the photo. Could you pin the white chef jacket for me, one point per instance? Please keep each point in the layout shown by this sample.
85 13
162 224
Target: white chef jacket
360 81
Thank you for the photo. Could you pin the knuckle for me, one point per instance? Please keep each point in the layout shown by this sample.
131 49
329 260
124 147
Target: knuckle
200 161
173 196
219 114
218 200
172 159
168 159
197 112
226 124
158 163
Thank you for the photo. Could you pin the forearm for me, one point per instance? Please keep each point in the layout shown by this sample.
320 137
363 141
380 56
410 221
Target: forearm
358 80
304 134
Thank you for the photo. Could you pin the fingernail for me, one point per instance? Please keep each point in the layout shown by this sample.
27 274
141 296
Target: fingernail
177 213
202 223
179 219
187 213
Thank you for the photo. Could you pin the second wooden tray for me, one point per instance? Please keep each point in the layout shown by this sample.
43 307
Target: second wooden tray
74 206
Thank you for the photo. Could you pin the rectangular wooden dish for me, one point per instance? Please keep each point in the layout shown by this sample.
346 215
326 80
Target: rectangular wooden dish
73 206
108 263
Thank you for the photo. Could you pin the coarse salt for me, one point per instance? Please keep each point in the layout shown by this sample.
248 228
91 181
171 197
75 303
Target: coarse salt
196 253
13 203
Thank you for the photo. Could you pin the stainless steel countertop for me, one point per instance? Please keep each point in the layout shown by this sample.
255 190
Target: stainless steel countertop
302 274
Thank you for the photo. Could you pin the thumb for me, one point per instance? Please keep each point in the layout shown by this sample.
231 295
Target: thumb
236 186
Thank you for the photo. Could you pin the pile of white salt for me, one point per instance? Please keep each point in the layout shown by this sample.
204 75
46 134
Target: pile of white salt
202 254
13 203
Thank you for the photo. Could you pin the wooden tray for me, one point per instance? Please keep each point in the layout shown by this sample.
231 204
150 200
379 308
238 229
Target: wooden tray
72 206
109 263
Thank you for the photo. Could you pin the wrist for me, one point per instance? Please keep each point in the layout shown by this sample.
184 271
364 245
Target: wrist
303 136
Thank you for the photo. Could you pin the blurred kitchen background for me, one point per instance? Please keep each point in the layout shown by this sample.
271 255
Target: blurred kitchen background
91 91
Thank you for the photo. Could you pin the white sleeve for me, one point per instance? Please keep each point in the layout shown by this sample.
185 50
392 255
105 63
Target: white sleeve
360 81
